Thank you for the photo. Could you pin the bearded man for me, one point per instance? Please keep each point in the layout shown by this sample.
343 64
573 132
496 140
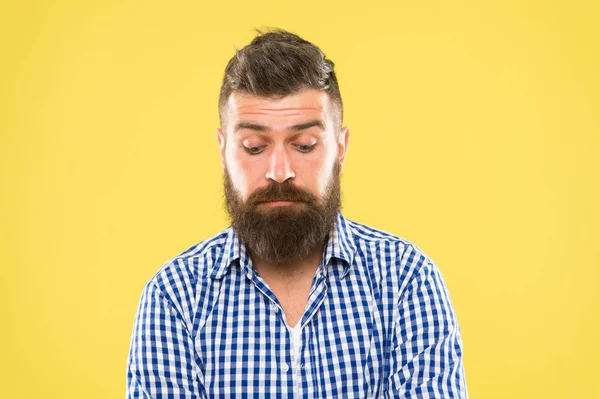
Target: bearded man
293 300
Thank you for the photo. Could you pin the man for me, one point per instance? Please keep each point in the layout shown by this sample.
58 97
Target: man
293 300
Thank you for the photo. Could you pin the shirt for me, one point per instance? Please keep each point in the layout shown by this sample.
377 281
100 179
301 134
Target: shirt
379 323
296 336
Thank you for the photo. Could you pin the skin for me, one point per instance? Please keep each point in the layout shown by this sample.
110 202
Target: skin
267 140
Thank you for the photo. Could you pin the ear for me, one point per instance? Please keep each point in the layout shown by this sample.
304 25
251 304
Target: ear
343 141
221 141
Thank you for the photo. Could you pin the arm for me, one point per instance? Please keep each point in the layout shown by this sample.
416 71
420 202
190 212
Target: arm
162 361
426 356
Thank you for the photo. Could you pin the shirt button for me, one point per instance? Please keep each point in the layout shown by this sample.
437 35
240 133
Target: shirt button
285 367
274 308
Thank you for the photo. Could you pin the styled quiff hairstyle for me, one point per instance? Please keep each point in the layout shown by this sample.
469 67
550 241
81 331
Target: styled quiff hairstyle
278 63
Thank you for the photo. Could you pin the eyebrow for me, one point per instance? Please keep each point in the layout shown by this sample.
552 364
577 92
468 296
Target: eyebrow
308 125
262 128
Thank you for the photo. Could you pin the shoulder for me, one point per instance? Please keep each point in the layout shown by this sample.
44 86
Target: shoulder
387 257
179 279
376 241
195 262
399 271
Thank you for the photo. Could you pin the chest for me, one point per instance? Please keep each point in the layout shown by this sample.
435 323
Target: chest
291 298
245 344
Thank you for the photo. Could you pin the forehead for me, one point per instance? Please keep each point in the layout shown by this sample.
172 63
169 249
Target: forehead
314 104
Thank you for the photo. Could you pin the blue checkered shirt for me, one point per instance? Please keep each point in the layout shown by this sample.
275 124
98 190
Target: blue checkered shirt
378 324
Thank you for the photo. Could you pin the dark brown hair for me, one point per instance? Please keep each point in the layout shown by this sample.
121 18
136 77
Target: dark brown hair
279 63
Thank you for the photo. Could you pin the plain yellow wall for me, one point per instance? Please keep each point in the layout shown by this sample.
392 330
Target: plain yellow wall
475 134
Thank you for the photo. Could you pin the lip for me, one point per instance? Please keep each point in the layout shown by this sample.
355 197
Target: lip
279 203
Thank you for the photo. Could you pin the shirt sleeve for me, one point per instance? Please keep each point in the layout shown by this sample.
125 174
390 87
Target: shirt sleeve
162 361
426 359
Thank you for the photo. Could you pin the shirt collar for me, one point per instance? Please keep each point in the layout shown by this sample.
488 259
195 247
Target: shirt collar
340 245
233 249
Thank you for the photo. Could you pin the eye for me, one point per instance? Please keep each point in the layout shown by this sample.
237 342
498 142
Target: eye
305 147
254 150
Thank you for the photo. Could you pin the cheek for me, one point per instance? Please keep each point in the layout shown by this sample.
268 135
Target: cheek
327 167
244 173
235 169
315 173
324 178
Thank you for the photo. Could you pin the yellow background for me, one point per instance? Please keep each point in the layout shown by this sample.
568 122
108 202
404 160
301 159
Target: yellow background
475 134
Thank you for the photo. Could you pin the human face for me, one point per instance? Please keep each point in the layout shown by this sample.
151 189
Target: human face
275 140
277 219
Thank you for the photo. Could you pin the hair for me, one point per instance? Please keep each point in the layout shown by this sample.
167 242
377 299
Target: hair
278 63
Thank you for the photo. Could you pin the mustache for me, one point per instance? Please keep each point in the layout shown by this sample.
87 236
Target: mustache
285 191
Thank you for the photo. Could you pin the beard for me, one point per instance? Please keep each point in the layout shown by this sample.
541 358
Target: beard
284 233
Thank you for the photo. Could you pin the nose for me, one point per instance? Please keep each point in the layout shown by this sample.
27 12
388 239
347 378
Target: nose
280 167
